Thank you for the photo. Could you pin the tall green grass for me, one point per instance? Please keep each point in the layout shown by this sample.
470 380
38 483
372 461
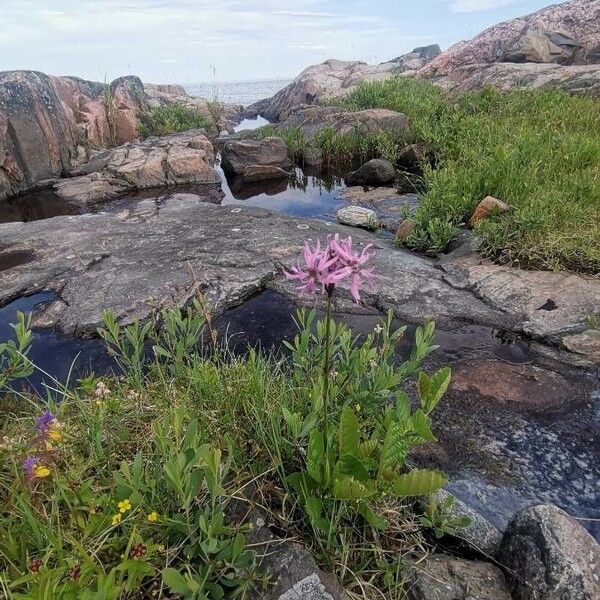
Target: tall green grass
537 150
173 118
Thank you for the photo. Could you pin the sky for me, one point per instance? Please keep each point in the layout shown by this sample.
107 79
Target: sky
190 41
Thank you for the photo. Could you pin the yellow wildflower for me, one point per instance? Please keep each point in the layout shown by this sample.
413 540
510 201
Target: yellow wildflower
117 519
41 471
124 506
55 435
357 407
152 517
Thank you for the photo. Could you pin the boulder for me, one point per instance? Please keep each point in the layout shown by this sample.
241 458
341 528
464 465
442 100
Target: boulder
479 535
549 556
336 78
440 577
177 159
411 157
358 216
237 155
262 172
487 207
377 171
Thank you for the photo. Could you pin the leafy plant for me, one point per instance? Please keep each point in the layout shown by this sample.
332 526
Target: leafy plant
14 363
438 517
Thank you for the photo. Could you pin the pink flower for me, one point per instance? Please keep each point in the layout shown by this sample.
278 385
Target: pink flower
353 262
321 267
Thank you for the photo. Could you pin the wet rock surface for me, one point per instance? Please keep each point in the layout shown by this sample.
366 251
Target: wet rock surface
525 385
440 577
548 555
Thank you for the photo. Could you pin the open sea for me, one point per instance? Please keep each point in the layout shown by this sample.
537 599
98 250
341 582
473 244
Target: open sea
237 92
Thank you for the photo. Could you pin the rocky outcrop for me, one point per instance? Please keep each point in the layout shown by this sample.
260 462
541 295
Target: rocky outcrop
549 556
440 577
176 159
48 125
557 46
243 157
336 78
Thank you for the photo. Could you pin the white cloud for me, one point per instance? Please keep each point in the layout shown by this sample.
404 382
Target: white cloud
465 6
180 40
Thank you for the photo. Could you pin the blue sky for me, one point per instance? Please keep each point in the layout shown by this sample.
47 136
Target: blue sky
180 41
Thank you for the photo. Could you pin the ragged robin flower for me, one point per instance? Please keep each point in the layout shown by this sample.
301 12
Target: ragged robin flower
124 505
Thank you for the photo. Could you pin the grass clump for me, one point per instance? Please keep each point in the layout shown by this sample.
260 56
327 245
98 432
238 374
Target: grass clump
172 118
537 150
124 486
338 149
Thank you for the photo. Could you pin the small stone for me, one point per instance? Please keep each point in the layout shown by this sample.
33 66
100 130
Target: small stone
404 230
549 556
358 216
488 206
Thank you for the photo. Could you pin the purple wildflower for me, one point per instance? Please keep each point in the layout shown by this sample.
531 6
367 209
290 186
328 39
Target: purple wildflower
45 422
321 267
353 262
29 465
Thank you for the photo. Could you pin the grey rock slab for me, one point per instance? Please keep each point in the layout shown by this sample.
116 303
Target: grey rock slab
131 264
440 577
549 556
548 305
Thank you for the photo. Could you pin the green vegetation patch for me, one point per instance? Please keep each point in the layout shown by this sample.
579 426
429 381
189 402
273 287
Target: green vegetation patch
537 150
173 118
124 487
